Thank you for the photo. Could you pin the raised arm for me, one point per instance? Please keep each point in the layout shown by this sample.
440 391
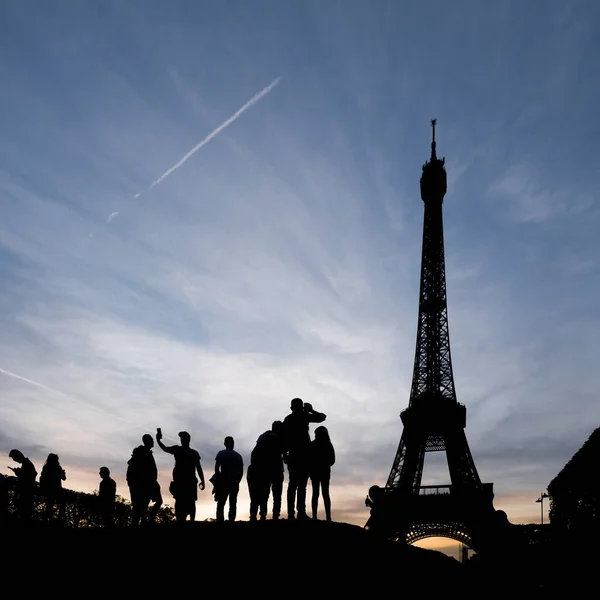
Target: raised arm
168 449
313 415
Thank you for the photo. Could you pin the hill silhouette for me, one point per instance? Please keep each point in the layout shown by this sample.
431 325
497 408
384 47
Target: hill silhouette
314 558
292 558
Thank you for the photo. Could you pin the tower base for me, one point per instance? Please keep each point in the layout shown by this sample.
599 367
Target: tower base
465 515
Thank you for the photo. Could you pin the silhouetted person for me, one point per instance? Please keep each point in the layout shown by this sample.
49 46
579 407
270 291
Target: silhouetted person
184 486
322 458
142 479
51 480
26 475
230 468
265 472
297 444
107 496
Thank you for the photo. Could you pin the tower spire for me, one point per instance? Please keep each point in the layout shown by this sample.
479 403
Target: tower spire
433 155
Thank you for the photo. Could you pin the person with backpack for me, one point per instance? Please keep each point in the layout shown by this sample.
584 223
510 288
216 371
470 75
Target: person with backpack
265 473
142 479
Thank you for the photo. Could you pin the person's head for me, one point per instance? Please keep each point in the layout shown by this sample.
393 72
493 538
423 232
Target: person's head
17 456
147 440
321 434
185 438
375 493
277 427
104 472
229 443
52 459
296 405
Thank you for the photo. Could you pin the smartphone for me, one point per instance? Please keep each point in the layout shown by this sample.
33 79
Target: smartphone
158 431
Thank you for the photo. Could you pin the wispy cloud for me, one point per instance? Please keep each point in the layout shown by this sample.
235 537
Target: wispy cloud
530 201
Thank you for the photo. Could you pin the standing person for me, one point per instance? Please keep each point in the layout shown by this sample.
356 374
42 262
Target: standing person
297 444
142 479
107 496
184 486
322 458
229 467
51 480
265 473
26 475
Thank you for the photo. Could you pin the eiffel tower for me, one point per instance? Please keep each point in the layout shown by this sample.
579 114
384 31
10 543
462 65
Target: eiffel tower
434 421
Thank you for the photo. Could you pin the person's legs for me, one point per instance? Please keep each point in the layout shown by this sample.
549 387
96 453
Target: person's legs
157 497
253 499
291 491
302 483
277 490
61 507
326 498
315 495
233 494
265 488
49 507
221 505
180 514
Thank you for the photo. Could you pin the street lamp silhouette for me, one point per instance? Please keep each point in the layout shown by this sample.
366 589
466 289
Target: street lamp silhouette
541 499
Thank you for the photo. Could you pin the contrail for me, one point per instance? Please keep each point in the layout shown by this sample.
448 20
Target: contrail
205 141
73 399
216 132
55 391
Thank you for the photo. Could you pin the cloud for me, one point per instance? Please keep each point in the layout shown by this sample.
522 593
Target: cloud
530 201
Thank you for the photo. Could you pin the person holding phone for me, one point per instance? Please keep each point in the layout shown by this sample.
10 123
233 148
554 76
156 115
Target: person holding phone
26 475
184 486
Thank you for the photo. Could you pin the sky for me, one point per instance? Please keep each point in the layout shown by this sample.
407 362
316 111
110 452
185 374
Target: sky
212 207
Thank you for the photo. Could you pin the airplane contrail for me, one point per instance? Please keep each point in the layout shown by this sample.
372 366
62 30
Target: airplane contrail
73 399
55 391
205 141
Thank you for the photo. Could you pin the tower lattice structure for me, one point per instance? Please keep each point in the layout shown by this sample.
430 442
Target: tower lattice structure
434 420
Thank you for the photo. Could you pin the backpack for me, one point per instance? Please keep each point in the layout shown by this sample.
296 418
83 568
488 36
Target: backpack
134 465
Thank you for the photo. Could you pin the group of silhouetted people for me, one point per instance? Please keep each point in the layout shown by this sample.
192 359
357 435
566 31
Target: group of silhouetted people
287 442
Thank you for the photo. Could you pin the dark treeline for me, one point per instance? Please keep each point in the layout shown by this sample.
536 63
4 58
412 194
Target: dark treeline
575 491
79 509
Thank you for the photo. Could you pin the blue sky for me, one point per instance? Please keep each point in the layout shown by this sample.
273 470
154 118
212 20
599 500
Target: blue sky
282 259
